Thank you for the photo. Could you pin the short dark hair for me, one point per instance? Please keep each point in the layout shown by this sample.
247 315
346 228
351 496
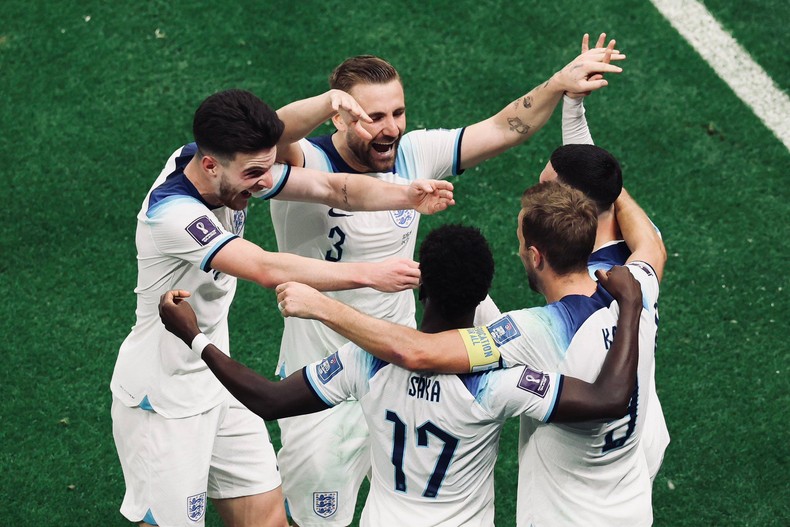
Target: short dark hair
590 169
234 121
457 269
362 69
561 222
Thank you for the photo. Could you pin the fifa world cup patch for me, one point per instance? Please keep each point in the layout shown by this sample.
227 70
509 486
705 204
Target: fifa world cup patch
403 218
203 230
504 330
534 381
196 506
328 368
325 503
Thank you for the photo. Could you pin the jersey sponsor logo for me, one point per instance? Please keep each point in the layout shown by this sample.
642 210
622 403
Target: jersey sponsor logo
504 330
196 506
203 230
334 214
328 368
534 381
403 218
239 218
325 503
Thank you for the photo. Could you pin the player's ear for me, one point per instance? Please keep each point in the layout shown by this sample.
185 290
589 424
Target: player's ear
337 120
535 256
209 164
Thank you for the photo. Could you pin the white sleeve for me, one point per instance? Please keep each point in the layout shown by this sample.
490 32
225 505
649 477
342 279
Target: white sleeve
574 123
486 311
523 391
523 337
280 173
184 228
646 276
341 375
430 154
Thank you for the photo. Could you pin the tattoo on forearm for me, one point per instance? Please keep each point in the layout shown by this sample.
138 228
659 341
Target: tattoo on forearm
345 190
525 101
518 126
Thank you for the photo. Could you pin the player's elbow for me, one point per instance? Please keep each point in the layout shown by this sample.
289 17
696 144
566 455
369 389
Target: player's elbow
615 403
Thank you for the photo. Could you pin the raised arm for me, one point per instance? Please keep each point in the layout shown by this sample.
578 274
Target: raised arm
519 120
608 397
243 259
303 116
352 192
640 234
270 400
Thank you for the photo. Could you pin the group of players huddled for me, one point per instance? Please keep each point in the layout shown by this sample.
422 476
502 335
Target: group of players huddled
363 393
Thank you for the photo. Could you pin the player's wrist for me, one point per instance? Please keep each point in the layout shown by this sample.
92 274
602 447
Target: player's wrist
199 343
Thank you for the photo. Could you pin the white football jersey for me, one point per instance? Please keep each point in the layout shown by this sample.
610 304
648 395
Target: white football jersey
177 236
317 231
655 435
434 438
591 473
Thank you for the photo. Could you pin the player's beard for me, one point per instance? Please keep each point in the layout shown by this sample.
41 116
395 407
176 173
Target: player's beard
231 197
363 152
532 279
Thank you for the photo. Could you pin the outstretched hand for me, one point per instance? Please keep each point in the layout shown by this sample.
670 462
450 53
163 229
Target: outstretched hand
622 285
585 73
351 112
178 316
295 299
430 196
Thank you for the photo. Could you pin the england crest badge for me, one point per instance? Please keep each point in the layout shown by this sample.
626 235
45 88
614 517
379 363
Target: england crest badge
196 506
403 218
325 503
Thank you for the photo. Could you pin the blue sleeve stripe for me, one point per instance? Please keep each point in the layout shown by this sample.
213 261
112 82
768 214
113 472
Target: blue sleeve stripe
156 207
557 393
313 387
205 265
457 157
283 180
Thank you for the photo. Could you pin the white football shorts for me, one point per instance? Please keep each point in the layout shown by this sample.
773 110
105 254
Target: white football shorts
171 466
324 458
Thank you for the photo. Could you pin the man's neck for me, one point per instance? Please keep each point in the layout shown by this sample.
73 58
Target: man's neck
560 286
434 322
608 229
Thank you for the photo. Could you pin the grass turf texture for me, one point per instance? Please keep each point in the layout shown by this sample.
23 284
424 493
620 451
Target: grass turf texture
92 108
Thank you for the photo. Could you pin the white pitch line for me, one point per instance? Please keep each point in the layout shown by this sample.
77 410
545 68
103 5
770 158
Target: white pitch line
731 62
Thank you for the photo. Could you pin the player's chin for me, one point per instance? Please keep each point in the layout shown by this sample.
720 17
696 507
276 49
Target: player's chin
240 201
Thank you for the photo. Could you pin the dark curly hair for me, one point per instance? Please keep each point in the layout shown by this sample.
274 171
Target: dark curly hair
457 268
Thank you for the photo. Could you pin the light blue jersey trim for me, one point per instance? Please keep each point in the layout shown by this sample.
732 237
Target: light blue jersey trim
457 153
204 265
170 200
315 388
149 518
145 404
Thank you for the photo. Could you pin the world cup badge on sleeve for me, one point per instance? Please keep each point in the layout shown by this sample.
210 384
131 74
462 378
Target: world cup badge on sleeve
196 506
325 503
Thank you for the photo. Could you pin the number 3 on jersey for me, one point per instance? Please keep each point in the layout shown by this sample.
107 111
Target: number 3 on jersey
335 233
399 446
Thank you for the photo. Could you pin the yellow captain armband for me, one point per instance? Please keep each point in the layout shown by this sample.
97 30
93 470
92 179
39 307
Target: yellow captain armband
481 348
